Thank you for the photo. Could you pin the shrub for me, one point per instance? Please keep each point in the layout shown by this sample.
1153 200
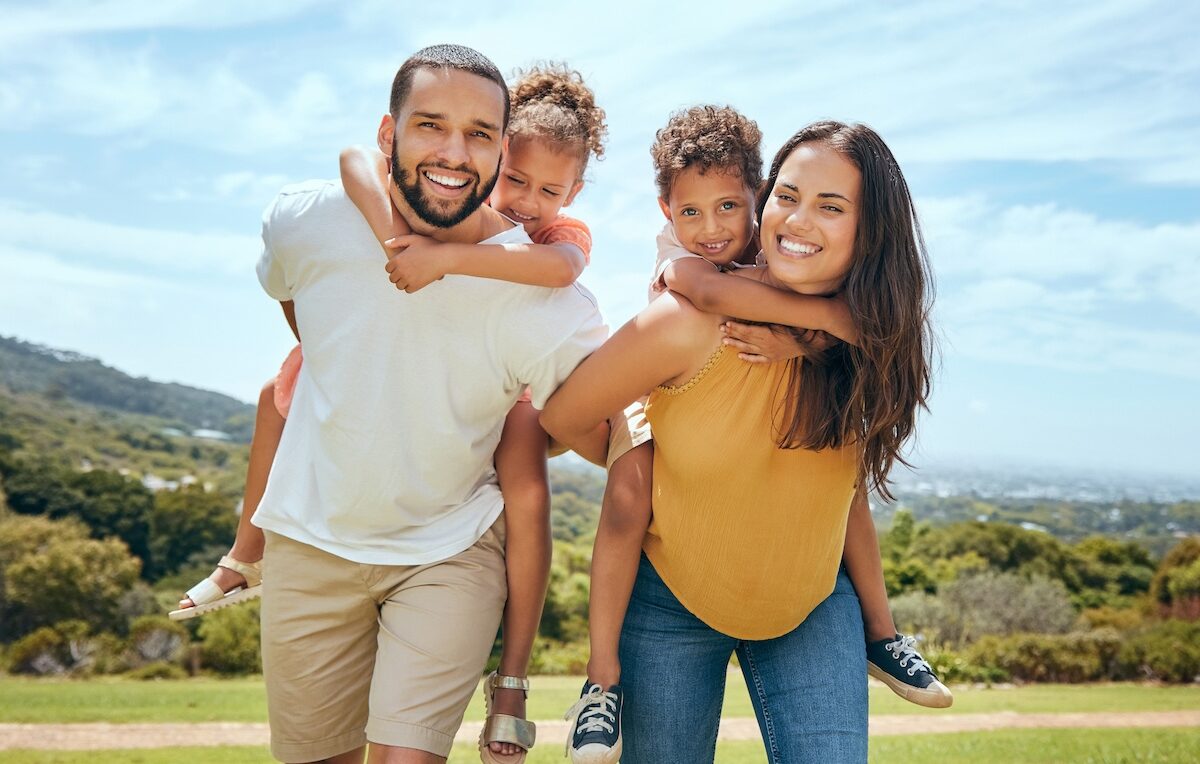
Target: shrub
155 639
229 640
954 667
1169 651
551 657
1071 658
986 604
41 652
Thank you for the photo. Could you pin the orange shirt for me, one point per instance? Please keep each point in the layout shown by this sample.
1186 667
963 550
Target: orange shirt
569 230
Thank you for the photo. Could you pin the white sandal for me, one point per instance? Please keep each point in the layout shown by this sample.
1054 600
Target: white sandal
206 596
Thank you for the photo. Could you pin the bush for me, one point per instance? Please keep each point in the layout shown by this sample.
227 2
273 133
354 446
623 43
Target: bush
229 640
551 657
952 667
1070 658
1169 651
41 652
986 604
155 639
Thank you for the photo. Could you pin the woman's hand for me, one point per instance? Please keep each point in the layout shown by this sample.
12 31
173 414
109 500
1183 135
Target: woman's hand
768 344
414 262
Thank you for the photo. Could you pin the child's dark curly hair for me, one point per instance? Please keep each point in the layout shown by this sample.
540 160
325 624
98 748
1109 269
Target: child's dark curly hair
707 137
551 103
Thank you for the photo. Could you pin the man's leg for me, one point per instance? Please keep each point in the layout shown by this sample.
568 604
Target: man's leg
437 623
319 626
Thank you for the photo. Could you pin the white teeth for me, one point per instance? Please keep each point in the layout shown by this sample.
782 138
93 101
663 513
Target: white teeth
446 180
519 216
794 248
717 247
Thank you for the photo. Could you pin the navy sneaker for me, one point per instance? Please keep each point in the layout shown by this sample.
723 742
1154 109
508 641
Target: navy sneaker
595 726
896 663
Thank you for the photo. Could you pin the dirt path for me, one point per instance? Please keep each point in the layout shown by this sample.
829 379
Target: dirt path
82 737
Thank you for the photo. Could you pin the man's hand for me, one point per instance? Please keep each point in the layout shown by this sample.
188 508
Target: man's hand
413 262
768 344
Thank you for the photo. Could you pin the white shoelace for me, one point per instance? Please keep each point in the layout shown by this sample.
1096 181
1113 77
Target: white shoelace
600 717
905 651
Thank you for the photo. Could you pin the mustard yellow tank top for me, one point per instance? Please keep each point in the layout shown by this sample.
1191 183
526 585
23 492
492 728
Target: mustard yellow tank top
748 536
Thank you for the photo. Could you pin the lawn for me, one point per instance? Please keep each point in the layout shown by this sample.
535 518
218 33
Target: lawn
243 700
1081 746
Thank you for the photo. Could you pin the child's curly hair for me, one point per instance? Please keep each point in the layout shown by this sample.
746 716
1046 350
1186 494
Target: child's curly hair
551 103
707 137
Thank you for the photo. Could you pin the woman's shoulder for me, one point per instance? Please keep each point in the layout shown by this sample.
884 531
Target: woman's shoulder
673 317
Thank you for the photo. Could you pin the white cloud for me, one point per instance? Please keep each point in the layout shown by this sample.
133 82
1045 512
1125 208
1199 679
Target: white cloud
120 249
1046 286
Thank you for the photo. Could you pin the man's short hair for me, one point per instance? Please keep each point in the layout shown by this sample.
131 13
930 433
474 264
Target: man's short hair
458 57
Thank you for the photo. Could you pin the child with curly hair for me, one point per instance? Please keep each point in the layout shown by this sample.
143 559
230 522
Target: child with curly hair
708 167
555 127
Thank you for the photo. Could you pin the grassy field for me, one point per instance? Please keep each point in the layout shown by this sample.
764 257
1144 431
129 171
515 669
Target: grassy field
1028 746
243 700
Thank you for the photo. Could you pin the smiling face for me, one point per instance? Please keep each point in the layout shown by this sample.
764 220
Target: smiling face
712 213
810 218
536 181
446 145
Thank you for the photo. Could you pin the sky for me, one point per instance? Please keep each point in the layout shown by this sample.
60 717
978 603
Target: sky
1053 151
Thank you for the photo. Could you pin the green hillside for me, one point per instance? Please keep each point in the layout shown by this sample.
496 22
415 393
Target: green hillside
58 375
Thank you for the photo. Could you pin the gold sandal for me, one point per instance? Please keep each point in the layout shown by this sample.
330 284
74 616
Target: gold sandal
503 728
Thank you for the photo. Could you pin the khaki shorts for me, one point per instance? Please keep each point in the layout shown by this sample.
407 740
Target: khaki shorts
628 431
388 654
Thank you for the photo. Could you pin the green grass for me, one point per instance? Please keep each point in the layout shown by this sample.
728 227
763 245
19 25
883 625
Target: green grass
243 700
111 699
1079 746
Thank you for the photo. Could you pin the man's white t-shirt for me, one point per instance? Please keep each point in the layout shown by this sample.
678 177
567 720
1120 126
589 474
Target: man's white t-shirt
386 457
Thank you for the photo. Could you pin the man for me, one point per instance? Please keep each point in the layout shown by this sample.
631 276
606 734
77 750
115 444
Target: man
385 580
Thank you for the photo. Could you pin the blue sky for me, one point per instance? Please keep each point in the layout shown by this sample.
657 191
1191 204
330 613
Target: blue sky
1052 150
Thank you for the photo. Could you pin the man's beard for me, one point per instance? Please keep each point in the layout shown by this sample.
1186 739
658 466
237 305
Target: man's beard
430 213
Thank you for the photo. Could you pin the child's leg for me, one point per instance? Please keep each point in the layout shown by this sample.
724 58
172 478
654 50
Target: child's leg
866 570
248 543
891 658
624 517
521 469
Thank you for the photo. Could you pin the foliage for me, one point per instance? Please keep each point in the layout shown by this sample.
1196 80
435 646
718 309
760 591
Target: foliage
1071 658
29 368
52 572
1169 651
229 640
1176 583
186 521
986 604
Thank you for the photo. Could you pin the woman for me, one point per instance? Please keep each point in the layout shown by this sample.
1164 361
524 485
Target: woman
756 465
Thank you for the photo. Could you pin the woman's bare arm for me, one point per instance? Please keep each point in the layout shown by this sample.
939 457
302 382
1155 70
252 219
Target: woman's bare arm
666 342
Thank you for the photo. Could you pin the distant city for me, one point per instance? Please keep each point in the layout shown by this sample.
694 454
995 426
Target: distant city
1043 482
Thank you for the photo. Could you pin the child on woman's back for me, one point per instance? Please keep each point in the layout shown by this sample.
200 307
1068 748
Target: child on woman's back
708 166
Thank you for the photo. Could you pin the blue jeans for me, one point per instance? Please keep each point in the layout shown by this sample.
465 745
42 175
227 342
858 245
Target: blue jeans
808 687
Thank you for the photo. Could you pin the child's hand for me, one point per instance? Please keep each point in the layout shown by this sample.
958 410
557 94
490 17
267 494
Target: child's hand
768 344
414 262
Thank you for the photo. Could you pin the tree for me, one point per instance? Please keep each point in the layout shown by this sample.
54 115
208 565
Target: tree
184 522
55 573
1171 587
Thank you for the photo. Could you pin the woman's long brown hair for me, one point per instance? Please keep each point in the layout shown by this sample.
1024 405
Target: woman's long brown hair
867 395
